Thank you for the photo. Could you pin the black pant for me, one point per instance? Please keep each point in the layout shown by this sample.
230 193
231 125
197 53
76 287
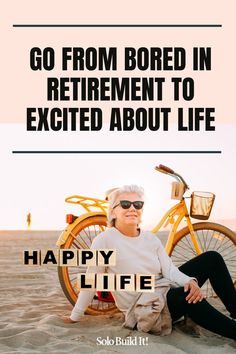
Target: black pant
209 265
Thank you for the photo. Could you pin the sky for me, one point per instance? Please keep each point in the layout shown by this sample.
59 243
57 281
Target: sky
40 183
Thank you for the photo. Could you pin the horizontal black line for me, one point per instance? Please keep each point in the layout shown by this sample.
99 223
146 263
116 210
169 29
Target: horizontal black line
117 25
116 152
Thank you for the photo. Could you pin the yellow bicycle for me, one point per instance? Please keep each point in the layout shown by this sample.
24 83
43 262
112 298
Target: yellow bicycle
181 245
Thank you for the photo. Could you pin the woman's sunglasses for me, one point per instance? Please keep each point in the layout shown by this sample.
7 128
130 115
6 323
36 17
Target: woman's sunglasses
126 204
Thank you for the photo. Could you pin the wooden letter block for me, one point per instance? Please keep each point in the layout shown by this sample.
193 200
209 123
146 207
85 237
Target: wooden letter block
31 257
49 257
125 282
106 257
145 283
86 281
105 282
68 257
87 257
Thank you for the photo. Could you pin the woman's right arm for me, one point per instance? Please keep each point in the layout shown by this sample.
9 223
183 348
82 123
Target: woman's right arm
84 300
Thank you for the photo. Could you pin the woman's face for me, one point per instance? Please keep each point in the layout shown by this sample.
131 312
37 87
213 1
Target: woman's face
127 217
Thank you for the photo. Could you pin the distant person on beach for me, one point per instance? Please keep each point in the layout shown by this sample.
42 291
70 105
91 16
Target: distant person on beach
177 290
28 219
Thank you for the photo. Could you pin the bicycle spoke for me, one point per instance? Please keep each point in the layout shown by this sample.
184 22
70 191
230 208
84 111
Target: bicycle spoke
210 240
183 246
90 237
216 240
205 240
199 240
78 239
225 243
181 256
189 244
87 246
76 244
73 279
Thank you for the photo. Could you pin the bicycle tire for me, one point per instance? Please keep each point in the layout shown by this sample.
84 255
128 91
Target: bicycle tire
83 233
211 237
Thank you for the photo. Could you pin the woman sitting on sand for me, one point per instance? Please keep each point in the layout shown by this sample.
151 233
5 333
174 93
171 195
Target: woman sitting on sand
177 291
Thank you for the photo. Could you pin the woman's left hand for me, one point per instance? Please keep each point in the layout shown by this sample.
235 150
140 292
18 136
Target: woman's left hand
195 293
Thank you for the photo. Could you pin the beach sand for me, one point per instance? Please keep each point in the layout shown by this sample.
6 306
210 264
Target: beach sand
32 304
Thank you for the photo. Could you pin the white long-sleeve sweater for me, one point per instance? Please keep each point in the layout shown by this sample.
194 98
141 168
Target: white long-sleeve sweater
143 254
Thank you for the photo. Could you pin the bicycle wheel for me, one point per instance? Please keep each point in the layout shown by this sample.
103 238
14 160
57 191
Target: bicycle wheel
81 237
210 237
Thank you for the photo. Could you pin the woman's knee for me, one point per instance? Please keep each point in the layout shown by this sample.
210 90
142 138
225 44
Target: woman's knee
212 261
212 256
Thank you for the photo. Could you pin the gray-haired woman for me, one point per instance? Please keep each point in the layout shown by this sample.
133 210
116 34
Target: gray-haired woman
140 251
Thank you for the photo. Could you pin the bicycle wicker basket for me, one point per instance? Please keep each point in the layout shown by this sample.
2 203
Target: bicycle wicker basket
201 205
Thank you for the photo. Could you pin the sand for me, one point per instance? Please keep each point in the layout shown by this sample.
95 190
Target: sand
32 304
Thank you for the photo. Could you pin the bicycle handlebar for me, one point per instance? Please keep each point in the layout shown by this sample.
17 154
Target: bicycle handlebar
172 173
164 169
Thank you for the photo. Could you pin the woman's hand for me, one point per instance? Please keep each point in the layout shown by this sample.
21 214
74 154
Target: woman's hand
68 320
195 293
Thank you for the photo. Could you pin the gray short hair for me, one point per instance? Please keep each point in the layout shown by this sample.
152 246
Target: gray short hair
113 194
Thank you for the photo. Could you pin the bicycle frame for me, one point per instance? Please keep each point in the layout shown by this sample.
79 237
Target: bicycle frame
180 210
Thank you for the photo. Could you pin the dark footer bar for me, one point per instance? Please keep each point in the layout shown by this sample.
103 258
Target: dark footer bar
116 152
